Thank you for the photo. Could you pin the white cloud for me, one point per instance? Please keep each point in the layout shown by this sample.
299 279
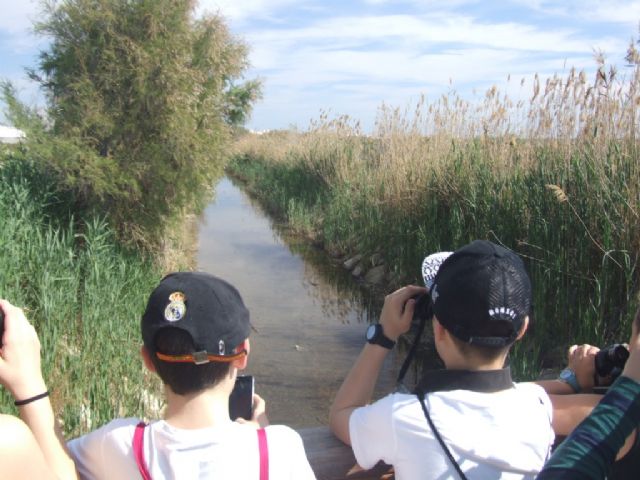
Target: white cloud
414 50
425 4
421 32
596 11
239 10
612 11
356 83
356 63
317 55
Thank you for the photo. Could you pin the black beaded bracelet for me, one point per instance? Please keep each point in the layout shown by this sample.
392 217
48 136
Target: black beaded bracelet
19 403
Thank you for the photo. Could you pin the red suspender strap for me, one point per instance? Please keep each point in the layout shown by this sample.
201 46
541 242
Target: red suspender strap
264 454
138 450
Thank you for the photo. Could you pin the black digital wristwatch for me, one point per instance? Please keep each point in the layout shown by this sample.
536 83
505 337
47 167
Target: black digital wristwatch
376 336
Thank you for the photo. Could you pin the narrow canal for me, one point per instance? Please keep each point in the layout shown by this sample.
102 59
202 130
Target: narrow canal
308 316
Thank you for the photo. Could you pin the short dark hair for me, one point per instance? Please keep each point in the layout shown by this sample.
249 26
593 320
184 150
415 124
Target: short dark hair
184 378
482 352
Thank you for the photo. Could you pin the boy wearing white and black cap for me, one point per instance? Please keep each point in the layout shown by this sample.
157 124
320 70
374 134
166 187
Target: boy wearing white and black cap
195 332
471 418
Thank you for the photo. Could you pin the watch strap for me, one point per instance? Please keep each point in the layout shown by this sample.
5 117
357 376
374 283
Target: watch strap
568 376
379 338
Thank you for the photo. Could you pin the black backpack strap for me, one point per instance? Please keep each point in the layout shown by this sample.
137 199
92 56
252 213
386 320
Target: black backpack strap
439 438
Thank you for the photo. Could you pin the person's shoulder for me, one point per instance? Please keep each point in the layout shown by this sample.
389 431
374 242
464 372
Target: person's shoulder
128 423
531 388
287 449
21 454
395 401
14 430
400 398
281 431
390 406
535 395
12 423
116 427
284 439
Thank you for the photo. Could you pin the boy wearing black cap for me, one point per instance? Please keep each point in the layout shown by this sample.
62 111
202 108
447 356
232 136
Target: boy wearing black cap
470 418
195 332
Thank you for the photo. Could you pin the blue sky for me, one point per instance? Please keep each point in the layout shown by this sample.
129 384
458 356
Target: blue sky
350 56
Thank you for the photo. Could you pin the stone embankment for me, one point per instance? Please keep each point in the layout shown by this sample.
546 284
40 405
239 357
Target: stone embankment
372 270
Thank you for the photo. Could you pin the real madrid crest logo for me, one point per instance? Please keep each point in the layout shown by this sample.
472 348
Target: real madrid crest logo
176 309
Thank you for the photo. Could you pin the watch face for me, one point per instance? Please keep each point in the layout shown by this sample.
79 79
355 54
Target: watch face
565 374
371 332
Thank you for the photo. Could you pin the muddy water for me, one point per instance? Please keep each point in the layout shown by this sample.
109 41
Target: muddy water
309 318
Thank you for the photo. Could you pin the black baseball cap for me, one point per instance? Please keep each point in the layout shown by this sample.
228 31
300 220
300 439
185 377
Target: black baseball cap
208 308
482 294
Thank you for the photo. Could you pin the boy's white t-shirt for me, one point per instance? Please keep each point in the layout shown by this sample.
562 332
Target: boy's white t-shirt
226 451
505 434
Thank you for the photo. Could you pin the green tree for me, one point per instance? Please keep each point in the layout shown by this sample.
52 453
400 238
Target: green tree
138 106
240 100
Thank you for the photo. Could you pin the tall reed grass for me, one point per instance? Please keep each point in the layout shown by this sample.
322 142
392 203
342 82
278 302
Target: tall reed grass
554 177
84 296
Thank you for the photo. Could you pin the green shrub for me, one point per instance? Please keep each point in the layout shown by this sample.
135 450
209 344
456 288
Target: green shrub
83 293
139 96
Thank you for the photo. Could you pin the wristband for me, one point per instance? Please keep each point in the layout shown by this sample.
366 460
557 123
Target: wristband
19 403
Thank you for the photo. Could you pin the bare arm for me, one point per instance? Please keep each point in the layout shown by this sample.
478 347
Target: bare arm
580 359
357 388
555 387
20 373
20 453
606 427
571 410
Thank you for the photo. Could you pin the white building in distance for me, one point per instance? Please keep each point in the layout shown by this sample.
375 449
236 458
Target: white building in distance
10 134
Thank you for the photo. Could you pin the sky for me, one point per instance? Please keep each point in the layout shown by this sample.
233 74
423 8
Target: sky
348 57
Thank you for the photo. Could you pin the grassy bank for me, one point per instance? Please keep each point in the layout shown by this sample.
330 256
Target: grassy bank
83 293
554 178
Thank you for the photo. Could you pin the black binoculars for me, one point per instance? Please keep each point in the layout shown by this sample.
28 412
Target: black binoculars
423 308
610 361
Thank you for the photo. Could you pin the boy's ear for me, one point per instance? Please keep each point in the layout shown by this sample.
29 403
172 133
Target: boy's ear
523 329
146 359
241 363
439 331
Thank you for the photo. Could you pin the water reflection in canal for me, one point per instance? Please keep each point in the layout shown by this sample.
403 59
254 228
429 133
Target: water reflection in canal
309 325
